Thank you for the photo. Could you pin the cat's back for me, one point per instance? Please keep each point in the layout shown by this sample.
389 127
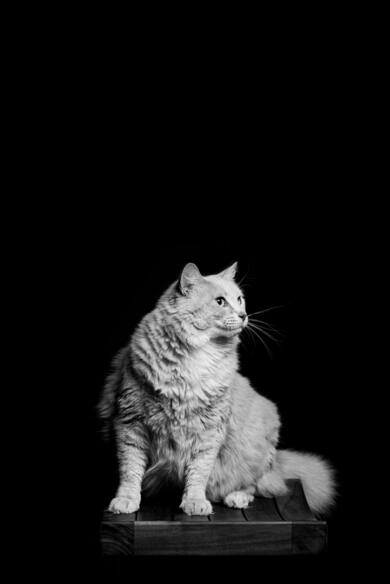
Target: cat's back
250 407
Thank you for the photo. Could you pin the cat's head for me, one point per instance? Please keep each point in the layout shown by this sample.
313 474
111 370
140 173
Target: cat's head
212 305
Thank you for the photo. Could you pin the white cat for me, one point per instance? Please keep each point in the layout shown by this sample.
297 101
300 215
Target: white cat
182 411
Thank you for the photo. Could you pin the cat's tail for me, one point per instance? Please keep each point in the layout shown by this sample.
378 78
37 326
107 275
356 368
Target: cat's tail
106 405
315 473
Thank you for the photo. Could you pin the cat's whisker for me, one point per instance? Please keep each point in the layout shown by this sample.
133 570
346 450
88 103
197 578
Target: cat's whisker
243 341
262 340
240 283
261 330
264 322
267 325
268 309
260 320
265 344
242 279
250 334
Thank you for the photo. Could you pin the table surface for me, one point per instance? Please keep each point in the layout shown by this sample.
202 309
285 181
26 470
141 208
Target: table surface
280 525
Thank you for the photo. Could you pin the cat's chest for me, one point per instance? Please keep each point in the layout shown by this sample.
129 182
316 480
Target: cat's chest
176 420
199 376
171 416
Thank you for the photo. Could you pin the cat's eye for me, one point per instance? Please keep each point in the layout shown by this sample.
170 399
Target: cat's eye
220 301
239 300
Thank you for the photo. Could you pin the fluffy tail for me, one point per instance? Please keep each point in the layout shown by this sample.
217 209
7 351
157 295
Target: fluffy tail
106 406
316 475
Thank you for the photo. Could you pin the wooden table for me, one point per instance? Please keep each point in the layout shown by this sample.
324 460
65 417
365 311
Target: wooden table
280 526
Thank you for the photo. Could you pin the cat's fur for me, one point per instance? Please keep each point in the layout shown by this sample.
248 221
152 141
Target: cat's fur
182 411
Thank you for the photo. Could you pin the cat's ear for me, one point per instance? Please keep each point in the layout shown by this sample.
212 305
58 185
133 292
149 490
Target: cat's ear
230 272
189 277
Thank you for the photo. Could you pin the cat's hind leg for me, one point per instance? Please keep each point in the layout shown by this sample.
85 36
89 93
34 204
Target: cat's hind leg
240 499
271 482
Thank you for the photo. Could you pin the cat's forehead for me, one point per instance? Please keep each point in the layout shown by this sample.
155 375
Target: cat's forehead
223 286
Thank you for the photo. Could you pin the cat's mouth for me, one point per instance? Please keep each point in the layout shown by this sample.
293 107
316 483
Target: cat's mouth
234 329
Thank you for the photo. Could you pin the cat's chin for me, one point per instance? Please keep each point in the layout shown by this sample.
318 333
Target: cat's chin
228 333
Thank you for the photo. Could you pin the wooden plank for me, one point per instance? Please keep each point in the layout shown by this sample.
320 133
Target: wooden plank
117 533
179 515
125 518
293 506
152 510
309 538
196 538
117 539
262 509
284 526
222 513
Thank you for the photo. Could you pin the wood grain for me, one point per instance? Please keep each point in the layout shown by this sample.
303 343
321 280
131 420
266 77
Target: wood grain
197 538
222 514
179 515
117 539
154 511
309 538
281 526
293 506
122 518
262 509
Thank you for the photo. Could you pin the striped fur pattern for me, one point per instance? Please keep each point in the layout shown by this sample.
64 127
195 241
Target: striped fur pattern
184 415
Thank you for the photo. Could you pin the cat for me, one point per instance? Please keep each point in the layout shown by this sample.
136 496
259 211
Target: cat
182 412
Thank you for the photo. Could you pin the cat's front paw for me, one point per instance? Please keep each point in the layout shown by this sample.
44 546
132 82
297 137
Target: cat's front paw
124 505
193 506
238 499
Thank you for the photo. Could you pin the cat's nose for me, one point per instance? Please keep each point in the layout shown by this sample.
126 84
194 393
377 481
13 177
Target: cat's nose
242 315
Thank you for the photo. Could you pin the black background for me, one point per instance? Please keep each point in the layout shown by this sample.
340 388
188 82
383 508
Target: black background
288 258
126 221
132 154
264 173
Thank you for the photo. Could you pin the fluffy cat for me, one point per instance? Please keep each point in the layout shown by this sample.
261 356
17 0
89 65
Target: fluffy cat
182 411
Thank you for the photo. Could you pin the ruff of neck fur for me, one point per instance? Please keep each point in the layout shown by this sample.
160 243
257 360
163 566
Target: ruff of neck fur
181 363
